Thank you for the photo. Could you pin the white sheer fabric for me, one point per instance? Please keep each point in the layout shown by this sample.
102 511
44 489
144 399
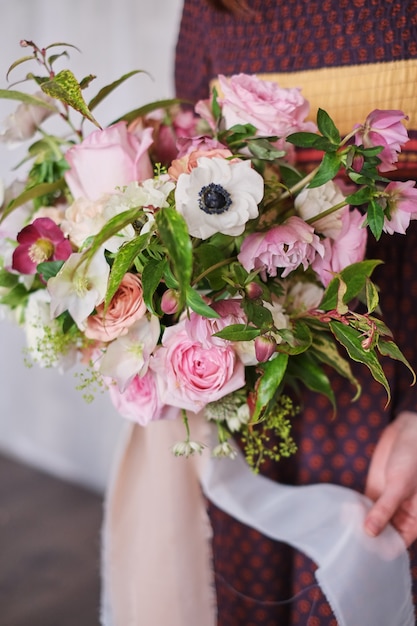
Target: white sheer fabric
366 580
156 537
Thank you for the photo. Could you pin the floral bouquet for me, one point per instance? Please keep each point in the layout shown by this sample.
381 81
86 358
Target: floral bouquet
185 259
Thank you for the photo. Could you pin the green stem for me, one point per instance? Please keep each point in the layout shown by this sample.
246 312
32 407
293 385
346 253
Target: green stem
212 268
327 212
186 424
300 185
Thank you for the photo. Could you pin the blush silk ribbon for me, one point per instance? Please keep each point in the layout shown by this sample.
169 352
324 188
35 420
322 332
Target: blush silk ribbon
366 580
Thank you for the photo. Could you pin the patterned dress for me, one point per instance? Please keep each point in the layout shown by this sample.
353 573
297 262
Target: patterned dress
255 576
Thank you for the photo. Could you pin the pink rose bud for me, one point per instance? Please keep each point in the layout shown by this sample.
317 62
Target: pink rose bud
253 290
264 348
169 302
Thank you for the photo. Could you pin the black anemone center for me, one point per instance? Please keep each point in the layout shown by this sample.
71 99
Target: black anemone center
214 199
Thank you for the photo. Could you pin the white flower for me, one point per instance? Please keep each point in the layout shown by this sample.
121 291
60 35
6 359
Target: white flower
224 450
79 287
129 355
187 448
84 218
47 346
219 196
302 297
311 202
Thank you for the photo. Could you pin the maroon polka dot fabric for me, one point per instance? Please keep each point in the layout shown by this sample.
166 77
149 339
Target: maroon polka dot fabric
260 582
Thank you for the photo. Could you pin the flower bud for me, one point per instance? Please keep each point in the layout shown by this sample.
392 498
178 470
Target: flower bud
264 348
169 302
253 290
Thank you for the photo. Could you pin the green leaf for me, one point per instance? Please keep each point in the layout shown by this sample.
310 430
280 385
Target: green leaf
151 278
375 217
328 169
355 277
327 127
298 340
372 295
6 94
305 140
362 196
148 108
309 371
390 349
326 351
238 332
31 194
206 257
105 91
351 339
15 297
122 263
263 149
65 87
111 228
174 234
49 269
7 279
215 107
257 314
273 373
199 305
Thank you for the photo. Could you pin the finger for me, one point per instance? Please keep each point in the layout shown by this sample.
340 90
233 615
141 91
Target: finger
382 511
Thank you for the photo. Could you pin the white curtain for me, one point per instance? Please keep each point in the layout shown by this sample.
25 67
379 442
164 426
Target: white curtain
44 420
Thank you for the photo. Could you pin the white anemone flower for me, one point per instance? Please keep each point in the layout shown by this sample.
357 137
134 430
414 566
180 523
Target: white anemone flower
79 286
219 196
129 355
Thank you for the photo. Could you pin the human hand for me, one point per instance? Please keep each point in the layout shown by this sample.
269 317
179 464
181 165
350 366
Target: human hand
392 479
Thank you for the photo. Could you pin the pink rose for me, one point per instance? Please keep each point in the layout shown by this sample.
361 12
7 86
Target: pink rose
204 328
273 110
286 246
348 248
168 127
107 159
140 402
193 372
125 308
384 128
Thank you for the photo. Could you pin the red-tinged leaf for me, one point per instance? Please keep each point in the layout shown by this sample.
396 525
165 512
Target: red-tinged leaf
351 340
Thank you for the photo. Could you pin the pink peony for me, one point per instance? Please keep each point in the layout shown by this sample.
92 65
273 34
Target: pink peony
401 200
273 110
192 373
125 308
384 128
107 159
140 402
40 241
188 162
348 248
286 246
